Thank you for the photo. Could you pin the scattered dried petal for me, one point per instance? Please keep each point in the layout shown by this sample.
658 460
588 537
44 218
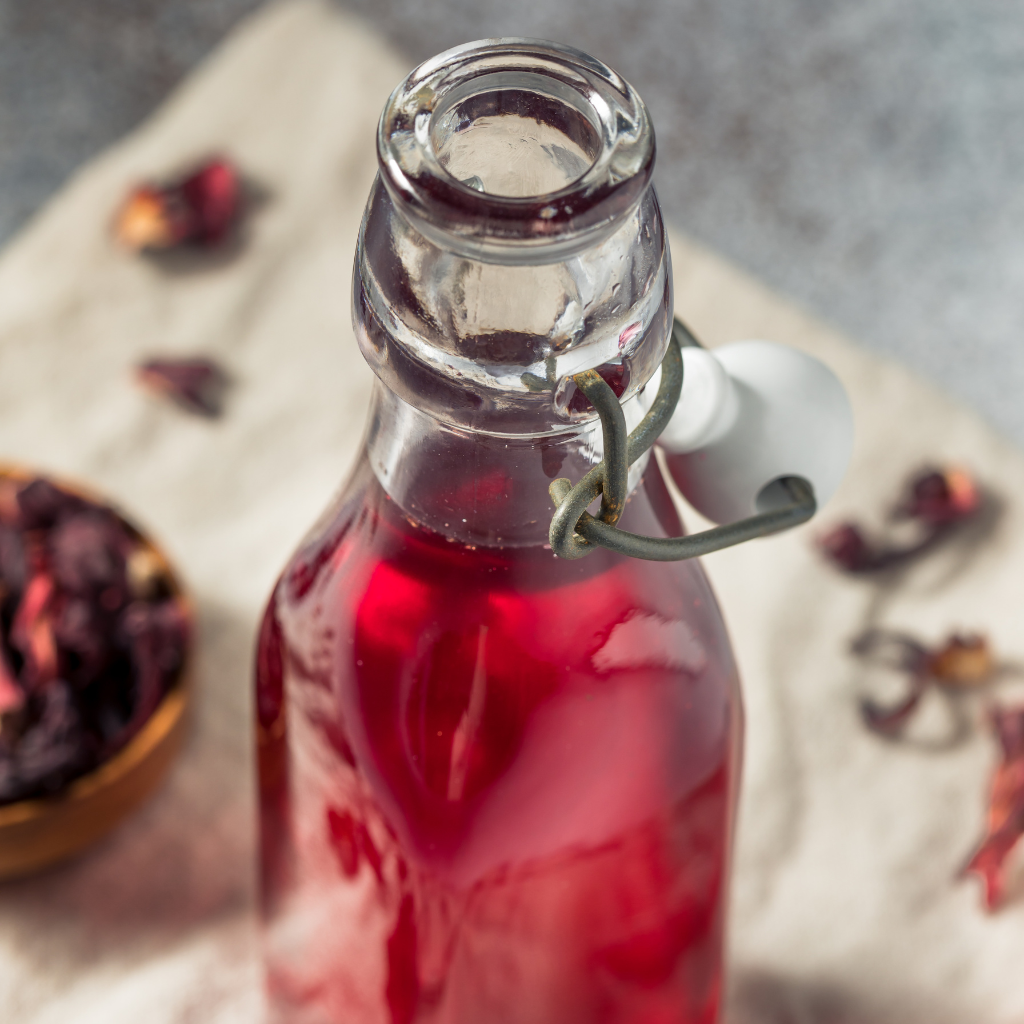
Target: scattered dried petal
845 546
891 720
213 195
942 496
150 219
1005 819
961 661
196 385
199 209
936 501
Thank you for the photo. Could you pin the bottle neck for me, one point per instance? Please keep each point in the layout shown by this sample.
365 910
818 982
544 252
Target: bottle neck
494 348
512 240
474 486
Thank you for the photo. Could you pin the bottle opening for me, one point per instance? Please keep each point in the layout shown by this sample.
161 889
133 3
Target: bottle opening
512 240
515 150
512 137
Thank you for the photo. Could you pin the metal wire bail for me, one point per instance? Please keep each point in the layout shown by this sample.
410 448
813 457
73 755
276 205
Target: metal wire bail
575 532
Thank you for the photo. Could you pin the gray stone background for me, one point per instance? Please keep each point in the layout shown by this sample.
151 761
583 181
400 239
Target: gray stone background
865 157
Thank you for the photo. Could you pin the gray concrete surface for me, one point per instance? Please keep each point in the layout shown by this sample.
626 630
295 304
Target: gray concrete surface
866 158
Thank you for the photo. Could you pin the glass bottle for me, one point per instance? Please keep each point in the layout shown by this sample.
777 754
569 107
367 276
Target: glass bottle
497 786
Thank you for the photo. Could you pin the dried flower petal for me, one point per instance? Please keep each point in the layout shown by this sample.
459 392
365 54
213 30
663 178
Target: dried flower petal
157 635
1005 820
936 501
846 547
942 496
147 575
12 696
82 631
961 661
41 504
891 720
13 559
51 752
10 514
150 219
88 551
88 644
213 194
32 632
198 209
197 385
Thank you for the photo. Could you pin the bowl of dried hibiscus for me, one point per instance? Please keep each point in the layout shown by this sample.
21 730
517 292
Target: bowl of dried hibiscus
95 634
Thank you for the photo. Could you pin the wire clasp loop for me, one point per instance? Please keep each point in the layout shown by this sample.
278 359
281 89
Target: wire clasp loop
575 532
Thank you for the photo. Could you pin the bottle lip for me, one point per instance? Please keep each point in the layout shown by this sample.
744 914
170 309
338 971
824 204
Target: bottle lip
516 229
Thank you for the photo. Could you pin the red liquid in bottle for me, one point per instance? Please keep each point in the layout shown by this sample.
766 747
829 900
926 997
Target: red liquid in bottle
496 786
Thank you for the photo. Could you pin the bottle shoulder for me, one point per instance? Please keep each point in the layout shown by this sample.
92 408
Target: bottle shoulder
367 548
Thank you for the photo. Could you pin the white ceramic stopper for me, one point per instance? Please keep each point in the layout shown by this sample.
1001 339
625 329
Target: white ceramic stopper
750 413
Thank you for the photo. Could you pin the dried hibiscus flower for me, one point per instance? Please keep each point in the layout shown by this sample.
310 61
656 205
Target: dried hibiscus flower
92 635
941 497
198 209
936 500
1005 821
961 662
196 385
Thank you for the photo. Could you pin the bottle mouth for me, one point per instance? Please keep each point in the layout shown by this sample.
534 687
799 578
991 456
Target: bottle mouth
515 150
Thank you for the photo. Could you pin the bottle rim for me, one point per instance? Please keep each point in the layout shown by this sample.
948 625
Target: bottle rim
597 104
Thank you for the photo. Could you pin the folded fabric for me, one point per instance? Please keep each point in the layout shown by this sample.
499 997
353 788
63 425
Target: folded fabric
846 906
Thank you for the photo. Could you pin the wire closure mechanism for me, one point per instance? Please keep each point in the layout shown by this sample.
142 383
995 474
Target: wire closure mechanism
575 532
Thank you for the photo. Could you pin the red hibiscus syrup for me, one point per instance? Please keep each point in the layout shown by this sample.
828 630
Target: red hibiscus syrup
497 785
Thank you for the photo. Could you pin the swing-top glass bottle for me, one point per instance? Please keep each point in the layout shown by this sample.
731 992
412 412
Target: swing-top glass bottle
496 785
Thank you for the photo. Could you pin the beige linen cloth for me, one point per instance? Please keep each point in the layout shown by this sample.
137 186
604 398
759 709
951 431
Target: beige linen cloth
846 909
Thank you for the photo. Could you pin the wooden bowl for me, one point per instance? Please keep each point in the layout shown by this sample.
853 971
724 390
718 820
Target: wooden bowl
39 832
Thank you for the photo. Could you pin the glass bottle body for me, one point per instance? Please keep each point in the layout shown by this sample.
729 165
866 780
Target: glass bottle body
495 785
